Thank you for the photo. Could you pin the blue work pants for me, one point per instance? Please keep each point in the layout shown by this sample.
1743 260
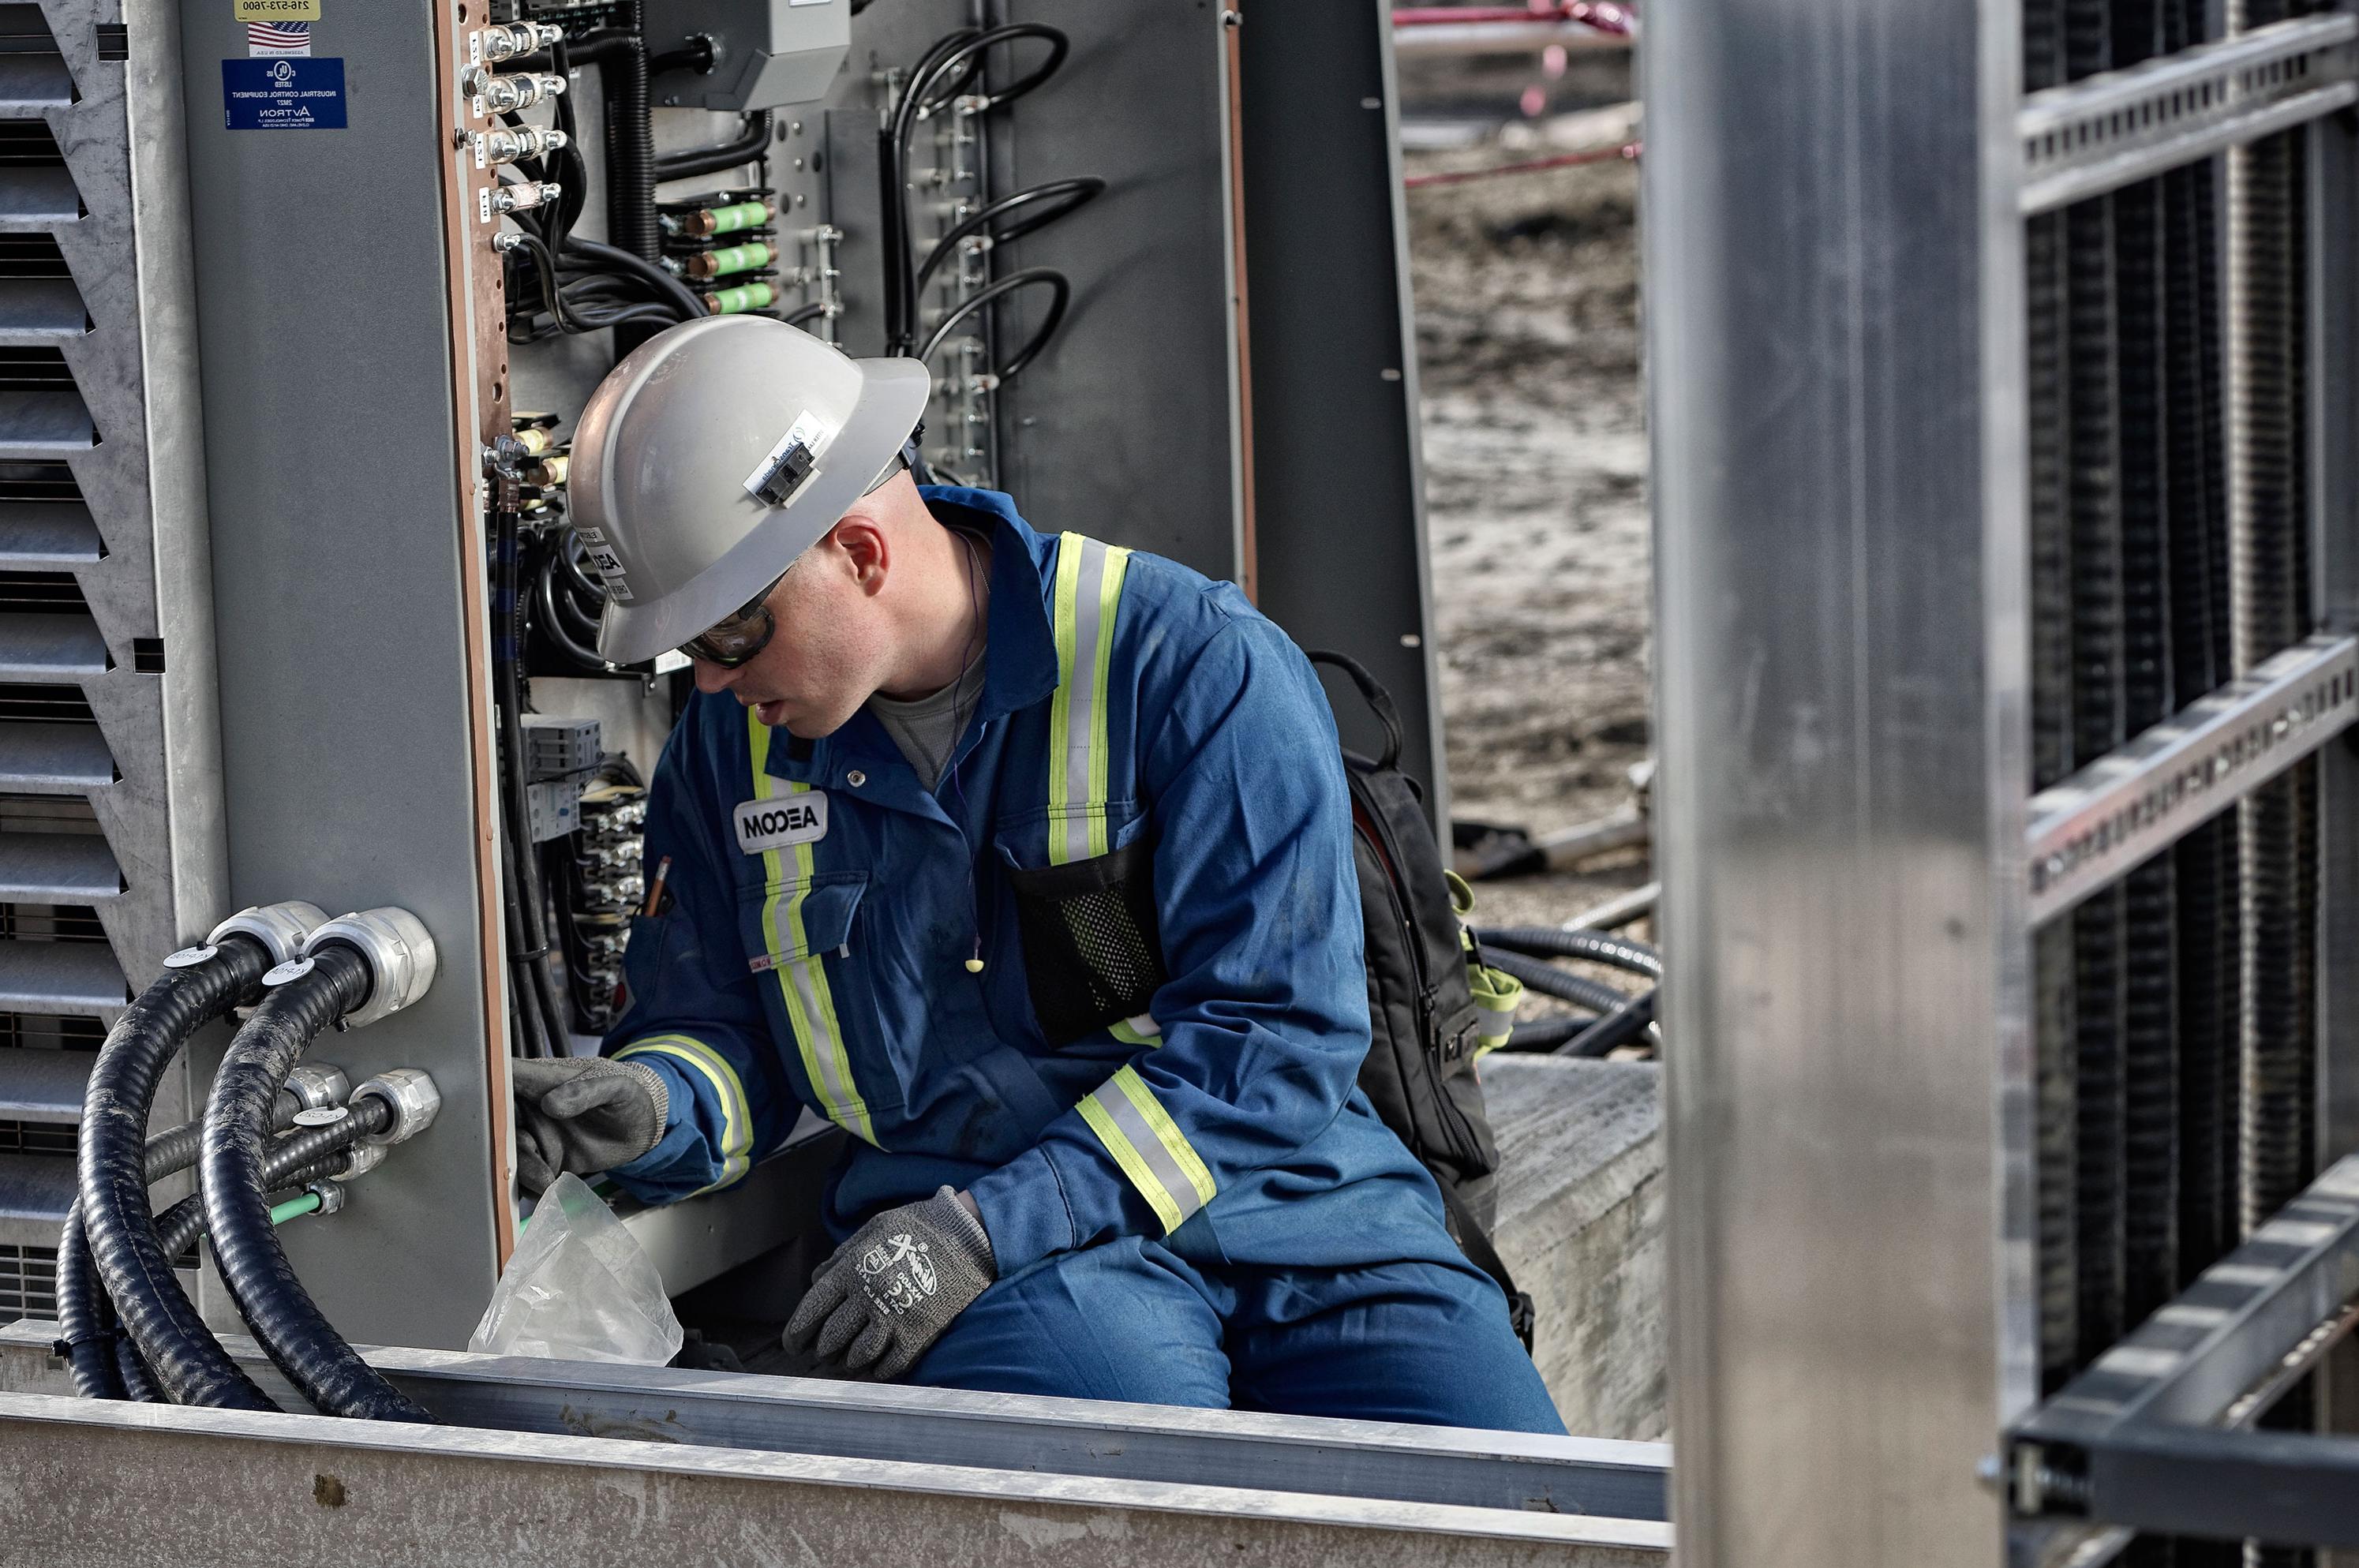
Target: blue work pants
1416 1341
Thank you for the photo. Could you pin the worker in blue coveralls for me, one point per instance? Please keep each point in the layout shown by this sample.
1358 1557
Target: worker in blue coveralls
1026 861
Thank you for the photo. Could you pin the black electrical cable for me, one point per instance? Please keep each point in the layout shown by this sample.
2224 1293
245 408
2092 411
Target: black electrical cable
1539 974
938 78
112 1168
751 144
662 283
621 55
697 57
86 1322
1618 1028
312 1155
1066 196
293 1331
1596 947
810 313
1060 294
554 626
138 1383
1544 1034
539 1018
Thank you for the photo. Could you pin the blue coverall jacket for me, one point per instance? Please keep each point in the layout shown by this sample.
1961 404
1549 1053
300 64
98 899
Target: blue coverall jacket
824 905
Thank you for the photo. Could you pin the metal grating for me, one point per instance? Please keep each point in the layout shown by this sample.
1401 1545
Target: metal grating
2090 829
28 1282
2106 131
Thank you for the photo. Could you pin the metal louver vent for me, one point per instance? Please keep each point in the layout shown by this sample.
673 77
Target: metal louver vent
24 702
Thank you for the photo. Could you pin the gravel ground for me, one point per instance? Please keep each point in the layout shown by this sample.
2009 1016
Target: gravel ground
1526 291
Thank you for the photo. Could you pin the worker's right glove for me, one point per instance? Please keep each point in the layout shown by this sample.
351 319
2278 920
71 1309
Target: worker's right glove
889 1292
582 1113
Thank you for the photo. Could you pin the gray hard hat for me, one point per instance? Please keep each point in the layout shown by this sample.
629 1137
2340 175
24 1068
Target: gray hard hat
713 456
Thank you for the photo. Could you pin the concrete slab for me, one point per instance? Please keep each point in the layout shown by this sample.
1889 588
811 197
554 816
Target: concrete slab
1581 1227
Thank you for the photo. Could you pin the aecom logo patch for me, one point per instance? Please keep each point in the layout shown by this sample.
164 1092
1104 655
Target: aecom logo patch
775 823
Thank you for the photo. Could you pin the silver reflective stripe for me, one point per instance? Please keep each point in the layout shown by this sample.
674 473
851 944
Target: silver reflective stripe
1081 727
1178 1185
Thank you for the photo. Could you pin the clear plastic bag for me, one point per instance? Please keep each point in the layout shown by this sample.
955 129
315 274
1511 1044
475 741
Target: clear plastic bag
579 1287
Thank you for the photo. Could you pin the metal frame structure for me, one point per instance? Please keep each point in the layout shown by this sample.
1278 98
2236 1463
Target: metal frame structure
1854 865
850 1472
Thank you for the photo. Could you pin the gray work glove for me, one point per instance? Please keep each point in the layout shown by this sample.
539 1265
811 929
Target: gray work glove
889 1292
582 1113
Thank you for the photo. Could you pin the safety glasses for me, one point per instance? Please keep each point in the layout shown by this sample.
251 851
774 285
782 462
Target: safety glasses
738 638
742 634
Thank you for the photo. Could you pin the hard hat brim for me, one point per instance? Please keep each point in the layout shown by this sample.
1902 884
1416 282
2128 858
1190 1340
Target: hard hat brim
892 400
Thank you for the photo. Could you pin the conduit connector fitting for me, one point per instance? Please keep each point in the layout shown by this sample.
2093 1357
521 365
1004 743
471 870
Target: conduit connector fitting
409 1094
398 950
316 1086
331 1196
364 1158
279 927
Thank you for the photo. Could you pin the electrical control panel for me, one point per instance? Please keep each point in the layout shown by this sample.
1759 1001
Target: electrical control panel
363 673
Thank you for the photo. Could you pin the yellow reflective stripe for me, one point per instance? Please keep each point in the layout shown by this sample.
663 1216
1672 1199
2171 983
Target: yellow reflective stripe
1088 594
1498 994
802 982
1141 1030
736 1111
1149 1147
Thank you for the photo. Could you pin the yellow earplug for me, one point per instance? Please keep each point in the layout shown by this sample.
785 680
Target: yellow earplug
975 965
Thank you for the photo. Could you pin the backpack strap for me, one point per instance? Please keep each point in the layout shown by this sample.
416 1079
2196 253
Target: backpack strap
1088 599
1476 1245
1379 701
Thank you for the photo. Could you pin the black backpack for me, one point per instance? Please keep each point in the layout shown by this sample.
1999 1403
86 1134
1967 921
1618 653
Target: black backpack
1433 1005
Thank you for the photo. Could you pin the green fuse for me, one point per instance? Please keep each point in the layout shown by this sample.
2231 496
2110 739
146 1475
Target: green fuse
743 215
736 258
744 297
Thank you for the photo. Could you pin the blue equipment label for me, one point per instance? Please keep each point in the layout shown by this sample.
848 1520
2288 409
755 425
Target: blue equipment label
286 95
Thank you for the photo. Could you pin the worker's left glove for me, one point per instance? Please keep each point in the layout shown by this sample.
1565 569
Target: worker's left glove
889 1292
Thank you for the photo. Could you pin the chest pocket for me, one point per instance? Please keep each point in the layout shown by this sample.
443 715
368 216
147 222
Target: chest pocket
798 927
799 944
1093 954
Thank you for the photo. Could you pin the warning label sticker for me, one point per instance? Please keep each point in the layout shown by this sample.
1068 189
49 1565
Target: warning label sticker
287 94
277 10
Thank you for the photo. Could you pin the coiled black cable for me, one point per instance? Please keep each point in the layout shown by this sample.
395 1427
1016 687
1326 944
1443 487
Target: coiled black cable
292 1330
938 79
111 1167
1061 293
1057 198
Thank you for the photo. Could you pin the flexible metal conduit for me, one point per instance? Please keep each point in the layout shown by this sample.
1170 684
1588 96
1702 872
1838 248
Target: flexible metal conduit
173 1341
336 980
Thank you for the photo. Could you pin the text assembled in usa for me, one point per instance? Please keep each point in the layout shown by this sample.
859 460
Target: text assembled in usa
284 95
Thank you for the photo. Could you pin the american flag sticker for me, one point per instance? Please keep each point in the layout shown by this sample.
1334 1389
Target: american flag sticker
272 40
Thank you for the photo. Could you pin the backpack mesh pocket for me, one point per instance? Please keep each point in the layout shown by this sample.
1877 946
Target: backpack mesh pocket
1093 955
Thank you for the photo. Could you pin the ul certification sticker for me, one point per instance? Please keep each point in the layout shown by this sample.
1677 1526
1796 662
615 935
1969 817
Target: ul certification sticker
292 93
783 819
